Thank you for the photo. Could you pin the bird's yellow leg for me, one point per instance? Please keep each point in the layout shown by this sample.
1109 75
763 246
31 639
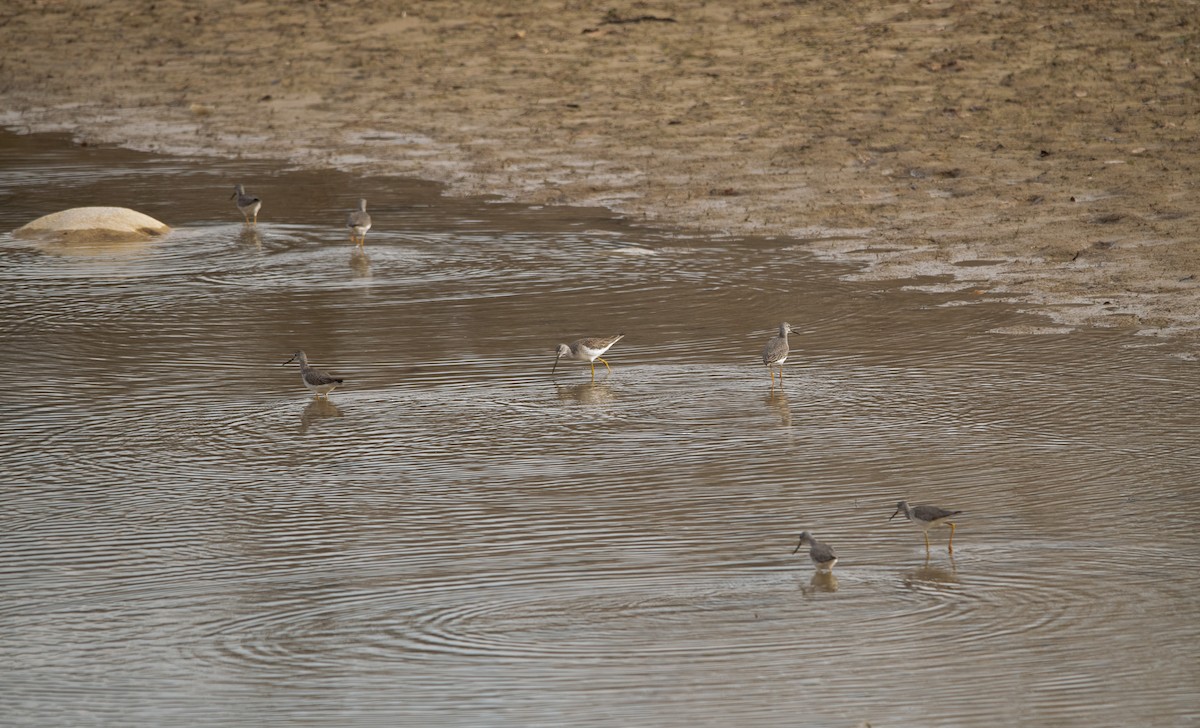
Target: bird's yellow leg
951 546
927 540
593 370
606 366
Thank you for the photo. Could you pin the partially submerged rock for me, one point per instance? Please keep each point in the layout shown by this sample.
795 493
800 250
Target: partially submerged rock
94 224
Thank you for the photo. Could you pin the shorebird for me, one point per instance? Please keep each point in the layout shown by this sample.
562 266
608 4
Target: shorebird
775 353
248 205
926 517
588 350
359 223
316 380
821 554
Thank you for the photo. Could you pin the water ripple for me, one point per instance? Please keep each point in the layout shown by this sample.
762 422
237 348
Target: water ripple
459 532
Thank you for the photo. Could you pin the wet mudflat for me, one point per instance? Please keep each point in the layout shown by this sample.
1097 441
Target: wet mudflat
458 537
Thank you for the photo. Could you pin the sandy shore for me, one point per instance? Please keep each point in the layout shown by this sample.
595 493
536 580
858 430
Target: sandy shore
1044 152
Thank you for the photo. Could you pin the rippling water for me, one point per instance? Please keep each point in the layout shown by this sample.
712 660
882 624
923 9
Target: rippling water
459 537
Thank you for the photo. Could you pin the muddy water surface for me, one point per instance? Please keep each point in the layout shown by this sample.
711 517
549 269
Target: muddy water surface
459 537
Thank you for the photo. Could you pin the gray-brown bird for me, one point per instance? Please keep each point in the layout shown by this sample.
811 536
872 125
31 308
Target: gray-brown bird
317 381
359 223
776 352
926 517
248 205
588 350
822 554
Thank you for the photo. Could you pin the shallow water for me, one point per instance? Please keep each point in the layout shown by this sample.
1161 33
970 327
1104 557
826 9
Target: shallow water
459 537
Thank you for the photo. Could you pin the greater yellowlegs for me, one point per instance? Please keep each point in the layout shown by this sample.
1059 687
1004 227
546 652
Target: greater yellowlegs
926 517
248 205
775 353
821 554
316 380
359 223
588 350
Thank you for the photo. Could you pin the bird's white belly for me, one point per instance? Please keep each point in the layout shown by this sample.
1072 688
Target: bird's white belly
318 388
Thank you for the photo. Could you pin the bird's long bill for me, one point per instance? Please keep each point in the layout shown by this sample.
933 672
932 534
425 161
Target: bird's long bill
289 361
895 514
233 195
798 546
555 367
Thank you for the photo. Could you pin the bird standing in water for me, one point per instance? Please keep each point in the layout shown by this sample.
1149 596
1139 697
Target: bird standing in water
822 555
588 350
926 517
248 205
319 382
776 352
359 223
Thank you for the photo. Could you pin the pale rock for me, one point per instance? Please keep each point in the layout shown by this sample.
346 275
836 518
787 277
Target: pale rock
94 224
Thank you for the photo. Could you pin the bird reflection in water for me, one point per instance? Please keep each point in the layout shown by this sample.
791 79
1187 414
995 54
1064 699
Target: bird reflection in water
778 400
249 235
586 393
360 262
319 408
821 582
935 575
